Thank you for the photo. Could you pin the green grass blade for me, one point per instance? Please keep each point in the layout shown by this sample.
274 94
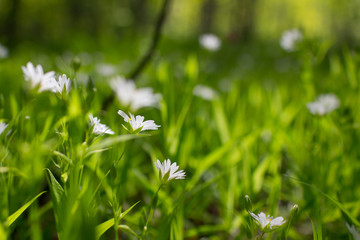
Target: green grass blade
127 229
103 227
63 156
56 189
221 121
314 230
208 161
12 218
122 215
111 141
333 200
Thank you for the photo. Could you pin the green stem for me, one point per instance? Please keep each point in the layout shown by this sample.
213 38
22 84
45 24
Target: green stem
262 235
151 213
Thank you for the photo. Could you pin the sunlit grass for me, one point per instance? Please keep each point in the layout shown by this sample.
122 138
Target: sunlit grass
255 137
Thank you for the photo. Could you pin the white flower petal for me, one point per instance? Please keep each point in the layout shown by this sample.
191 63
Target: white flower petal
98 128
323 104
133 97
124 115
3 126
263 221
290 39
37 77
166 166
4 52
64 83
204 92
137 122
277 222
210 42
354 232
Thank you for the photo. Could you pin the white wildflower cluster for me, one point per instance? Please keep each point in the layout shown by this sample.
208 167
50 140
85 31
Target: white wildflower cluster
290 39
268 221
134 98
137 123
4 52
169 171
210 42
45 81
205 92
134 124
323 104
3 126
99 128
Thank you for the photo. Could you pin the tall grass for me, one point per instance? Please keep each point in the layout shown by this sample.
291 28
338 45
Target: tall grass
256 138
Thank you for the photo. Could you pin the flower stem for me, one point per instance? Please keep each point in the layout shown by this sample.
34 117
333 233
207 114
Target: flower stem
151 213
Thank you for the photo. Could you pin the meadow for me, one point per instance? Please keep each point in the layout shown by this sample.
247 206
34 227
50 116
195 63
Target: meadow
250 126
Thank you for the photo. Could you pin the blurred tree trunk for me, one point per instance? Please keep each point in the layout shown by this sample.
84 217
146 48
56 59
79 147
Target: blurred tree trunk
139 9
242 26
207 16
9 29
84 14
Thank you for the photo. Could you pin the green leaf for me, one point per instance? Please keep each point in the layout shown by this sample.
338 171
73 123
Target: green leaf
192 68
109 142
208 161
46 127
127 229
56 189
103 227
333 200
12 218
98 187
2 232
63 156
314 230
122 215
221 121
319 227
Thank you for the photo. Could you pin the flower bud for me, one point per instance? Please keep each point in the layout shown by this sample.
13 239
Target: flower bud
76 63
248 203
294 211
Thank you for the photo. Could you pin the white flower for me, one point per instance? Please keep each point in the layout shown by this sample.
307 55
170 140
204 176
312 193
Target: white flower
63 83
99 128
167 167
105 69
137 122
129 95
205 92
354 232
289 39
124 89
210 42
263 221
4 52
144 97
325 103
49 84
3 126
37 77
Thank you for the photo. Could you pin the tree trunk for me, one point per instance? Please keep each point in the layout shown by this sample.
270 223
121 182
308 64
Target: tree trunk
207 16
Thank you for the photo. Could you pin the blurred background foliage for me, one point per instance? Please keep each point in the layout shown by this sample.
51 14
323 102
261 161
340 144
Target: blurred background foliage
247 148
60 22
